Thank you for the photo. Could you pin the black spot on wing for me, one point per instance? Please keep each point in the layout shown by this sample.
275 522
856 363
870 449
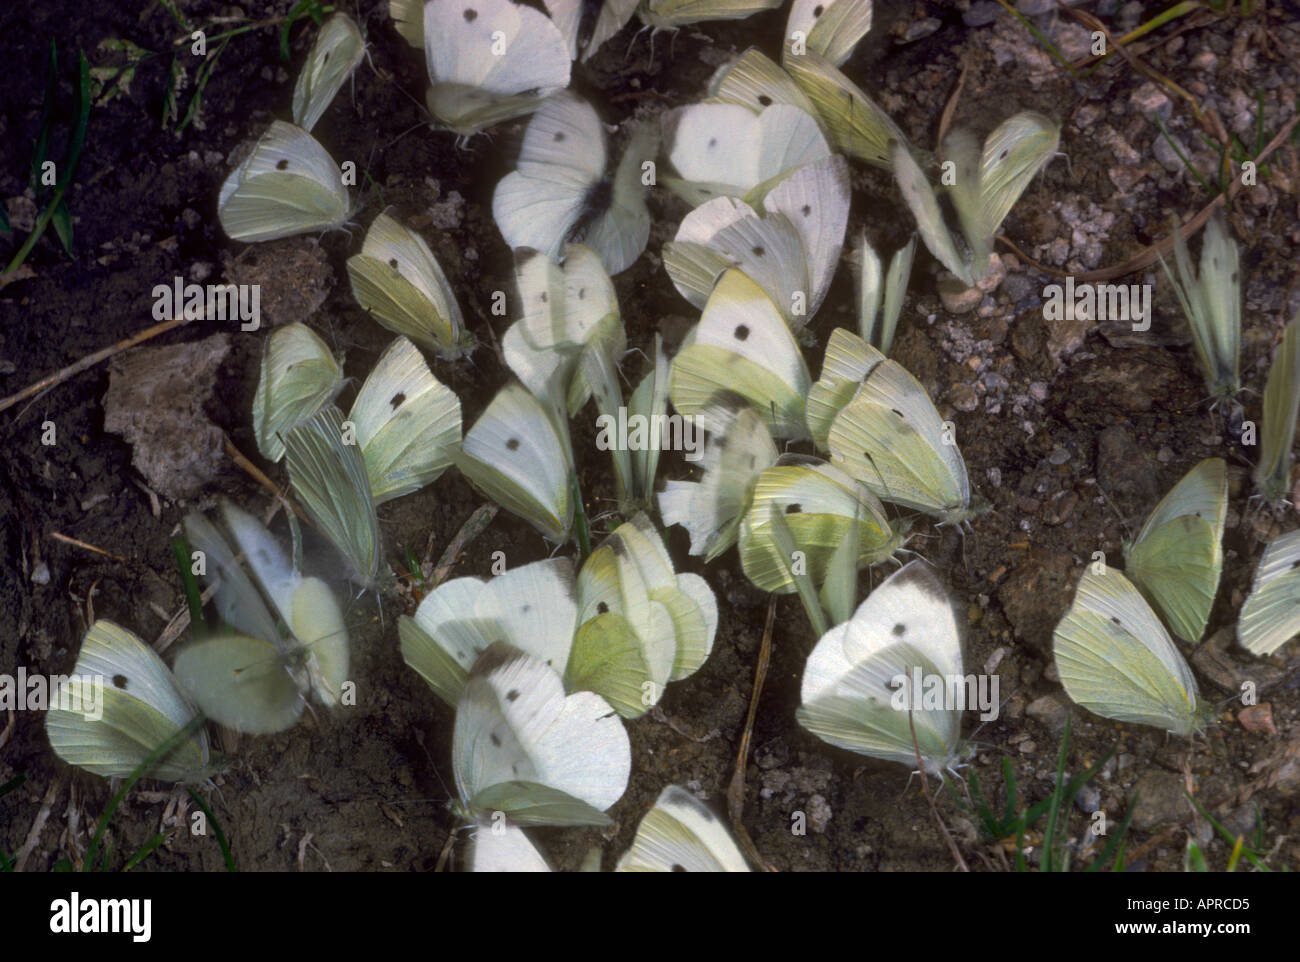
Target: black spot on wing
512 444
119 681
397 400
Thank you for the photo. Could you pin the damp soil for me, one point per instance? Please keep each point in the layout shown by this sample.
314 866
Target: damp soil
1072 434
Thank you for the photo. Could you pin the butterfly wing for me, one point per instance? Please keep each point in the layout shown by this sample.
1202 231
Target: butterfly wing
681 834
299 376
1271 613
337 52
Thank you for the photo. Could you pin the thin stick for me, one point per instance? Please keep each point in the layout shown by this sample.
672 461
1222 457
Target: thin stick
88 547
951 107
90 360
736 790
471 529
34 834
180 621
925 787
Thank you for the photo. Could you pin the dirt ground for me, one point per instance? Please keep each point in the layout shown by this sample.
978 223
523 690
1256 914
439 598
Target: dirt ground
1050 415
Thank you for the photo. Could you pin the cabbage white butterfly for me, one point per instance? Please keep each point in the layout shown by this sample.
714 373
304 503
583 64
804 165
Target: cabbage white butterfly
1271 614
985 188
253 678
670 14
522 748
857 125
498 846
141 707
630 598
299 376
560 192
874 324
635 475
1212 304
1116 659
534 607
288 185
742 344
729 150
327 472
681 834
791 251
406 422
489 60
851 697
336 53
1178 555
1281 406
819 503
831 28
518 454
739 448
399 282
886 433
570 311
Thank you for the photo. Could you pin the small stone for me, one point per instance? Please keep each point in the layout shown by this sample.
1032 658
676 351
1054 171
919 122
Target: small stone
957 298
41 574
1160 799
1058 456
1050 710
964 397
1258 719
819 814
1061 507
1205 60
1149 99
921 29
981 13
1020 288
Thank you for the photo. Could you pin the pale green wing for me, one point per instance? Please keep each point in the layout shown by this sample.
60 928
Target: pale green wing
445 636
408 20
608 659
820 504
514 724
1281 405
755 81
681 834
923 203
288 185
119 705
317 623
238 601
515 456
738 449
1116 659
831 29
299 376
891 438
900 271
648 402
1271 615
619 233
536 607
407 422
1013 155
336 53
854 121
240 682
400 283
742 345
846 364
815 200
1178 556
613 17
679 13
963 151
327 472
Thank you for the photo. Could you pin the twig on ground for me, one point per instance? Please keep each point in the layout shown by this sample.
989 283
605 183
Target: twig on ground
736 790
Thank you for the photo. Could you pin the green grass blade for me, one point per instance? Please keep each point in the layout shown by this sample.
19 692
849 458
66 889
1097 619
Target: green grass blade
193 599
216 830
41 145
145 850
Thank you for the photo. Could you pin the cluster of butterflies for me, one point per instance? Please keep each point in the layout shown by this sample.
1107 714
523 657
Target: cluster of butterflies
542 665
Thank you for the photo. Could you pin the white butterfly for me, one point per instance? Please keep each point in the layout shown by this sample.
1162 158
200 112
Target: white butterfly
336 53
984 188
253 677
831 28
489 60
533 607
561 193
671 14
523 748
791 250
743 345
518 453
876 325
729 150
572 16
681 834
1271 613
858 681
288 185
882 429
399 281
739 448
120 705
1281 408
298 377
1116 659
